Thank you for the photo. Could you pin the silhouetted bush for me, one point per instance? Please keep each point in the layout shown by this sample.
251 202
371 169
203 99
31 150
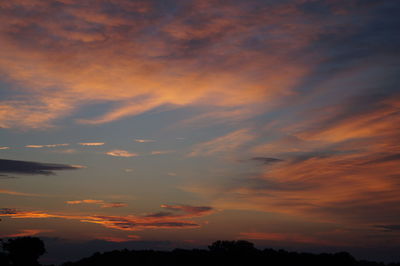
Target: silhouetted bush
23 251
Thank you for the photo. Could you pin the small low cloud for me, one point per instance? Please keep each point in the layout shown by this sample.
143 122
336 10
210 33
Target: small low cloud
66 151
188 209
4 148
28 232
46 146
33 168
119 239
128 170
161 152
266 160
113 205
121 153
389 227
16 193
101 203
91 143
144 140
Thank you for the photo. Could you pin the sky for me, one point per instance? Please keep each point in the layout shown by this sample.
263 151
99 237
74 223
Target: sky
159 124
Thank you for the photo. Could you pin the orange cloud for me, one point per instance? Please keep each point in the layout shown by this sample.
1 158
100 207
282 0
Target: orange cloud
28 232
91 143
120 239
125 223
16 193
47 145
121 153
161 152
339 166
144 140
98 202
4 148
91 58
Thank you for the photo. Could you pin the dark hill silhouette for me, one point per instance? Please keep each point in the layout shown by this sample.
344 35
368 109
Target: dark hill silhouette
26 250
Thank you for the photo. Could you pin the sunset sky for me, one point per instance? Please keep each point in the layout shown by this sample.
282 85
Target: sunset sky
178 123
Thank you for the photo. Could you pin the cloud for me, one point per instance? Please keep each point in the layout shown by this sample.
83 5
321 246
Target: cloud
121 153
91 143
88 201
119 239
223 60
125 223
98 202
159 214
33 168
266 160
16 193
47 146
189 210
4 148
340 166
144 140
227 143
114 205
389 228
161 152
28 232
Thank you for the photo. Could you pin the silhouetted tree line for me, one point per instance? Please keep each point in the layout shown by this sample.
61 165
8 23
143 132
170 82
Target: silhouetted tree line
25 251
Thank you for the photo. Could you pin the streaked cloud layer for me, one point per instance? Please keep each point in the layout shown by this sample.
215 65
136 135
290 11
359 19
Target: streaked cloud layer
282 115
124 223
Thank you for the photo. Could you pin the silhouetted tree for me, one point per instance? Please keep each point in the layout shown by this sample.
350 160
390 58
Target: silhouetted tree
24 251
240 246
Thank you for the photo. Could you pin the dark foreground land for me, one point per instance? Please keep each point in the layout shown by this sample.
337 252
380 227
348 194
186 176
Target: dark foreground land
25 251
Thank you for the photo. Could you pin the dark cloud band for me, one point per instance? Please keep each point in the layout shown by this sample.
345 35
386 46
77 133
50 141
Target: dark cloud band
32 168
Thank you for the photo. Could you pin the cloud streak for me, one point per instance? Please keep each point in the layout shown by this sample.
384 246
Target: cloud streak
46 146
33 168
124 223
91 143
101 203
121 153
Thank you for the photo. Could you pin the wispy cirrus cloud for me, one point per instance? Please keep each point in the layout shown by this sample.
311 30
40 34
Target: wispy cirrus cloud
188 210
16 193
91 143
266 160
121 153
47 145
184 64
336 162
33 168
125 223
227 143
160 152
144 140
28 232
101 203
